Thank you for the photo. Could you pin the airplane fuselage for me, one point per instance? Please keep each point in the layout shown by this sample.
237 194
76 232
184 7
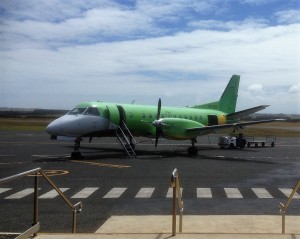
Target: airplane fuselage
101 119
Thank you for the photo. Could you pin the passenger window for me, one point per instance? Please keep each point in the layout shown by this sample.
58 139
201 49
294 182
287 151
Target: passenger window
77 111
92 111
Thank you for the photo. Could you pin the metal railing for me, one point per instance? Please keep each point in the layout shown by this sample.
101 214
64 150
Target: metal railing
284 207
36 225
175 184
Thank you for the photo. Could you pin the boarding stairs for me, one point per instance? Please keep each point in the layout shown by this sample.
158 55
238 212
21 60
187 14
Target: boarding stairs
126 139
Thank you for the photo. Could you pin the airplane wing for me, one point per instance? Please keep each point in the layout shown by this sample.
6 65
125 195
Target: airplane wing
243 113
212 129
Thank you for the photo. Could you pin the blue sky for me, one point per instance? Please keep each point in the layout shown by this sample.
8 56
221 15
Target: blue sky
56 54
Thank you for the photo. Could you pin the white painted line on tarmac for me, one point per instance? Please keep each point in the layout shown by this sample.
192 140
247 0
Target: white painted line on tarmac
287 192
170 192
115 193
52 193
21 194
85 193
261 193
233 193
145 193
2 190
204 193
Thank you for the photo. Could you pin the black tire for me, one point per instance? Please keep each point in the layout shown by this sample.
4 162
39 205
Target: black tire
192 151
272 144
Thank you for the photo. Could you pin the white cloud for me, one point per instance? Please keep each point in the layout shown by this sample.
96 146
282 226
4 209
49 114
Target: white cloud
295 89
119 53
256 89
258 2
288 16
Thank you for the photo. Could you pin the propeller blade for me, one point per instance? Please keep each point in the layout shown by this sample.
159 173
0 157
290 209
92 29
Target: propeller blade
158 109
158 130
156 140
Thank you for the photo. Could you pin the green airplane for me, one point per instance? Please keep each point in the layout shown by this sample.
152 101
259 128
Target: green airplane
124 121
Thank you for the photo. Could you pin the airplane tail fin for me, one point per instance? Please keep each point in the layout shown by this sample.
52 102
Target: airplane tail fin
227 102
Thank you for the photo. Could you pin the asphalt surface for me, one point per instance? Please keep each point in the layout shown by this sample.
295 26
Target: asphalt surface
252 181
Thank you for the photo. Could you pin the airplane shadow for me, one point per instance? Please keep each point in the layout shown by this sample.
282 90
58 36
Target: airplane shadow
106 153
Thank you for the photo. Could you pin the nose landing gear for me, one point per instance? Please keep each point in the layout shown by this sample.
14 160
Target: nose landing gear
193 151
76 153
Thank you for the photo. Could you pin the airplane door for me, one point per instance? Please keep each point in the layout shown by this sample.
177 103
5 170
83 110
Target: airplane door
212 120
122 114
114 114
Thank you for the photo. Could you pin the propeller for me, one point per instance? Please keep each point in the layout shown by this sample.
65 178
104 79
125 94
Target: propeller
157 124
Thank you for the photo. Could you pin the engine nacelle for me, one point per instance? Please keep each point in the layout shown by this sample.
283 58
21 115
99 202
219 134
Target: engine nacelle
176 128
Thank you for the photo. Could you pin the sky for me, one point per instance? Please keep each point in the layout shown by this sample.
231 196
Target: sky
56 54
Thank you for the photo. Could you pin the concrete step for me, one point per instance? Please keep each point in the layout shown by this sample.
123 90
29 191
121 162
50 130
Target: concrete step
168 236
219 226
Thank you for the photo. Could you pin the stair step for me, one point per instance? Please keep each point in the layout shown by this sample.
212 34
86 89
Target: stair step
125 138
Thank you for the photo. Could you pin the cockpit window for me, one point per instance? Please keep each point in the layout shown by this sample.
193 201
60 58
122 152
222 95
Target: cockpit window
92 111
77 111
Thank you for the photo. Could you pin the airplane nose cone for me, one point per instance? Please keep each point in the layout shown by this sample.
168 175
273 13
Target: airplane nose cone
51 128
55 127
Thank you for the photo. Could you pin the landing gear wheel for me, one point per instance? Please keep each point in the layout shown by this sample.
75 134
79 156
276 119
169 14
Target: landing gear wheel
192 151
76 155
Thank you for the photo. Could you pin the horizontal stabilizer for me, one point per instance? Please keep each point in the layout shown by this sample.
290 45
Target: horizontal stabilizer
244 113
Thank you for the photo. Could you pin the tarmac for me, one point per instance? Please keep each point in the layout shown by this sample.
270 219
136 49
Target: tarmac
218 227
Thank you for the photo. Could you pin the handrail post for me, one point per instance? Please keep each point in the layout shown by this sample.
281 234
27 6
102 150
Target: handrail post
36 226
176 194
284 207
36 204
282 211
74 221
174 212
180 219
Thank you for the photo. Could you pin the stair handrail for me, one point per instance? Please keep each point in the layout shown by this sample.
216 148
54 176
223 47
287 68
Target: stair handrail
284 207
127 141
35 228
130 134
175 184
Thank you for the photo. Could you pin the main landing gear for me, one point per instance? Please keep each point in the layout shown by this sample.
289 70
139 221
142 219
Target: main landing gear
193 151
76 153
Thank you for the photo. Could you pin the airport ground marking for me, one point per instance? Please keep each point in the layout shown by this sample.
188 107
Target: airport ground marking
50 173
85 193
12 163
102 164
147 192
21 194
115 193
52 194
